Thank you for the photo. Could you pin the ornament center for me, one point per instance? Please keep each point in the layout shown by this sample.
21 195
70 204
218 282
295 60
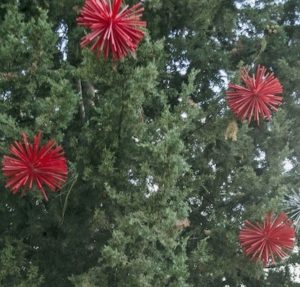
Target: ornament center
33 166
255 93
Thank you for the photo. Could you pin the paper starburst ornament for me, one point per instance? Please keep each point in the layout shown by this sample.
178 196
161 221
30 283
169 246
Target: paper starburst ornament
115 29
30 164
268 241
259 96
292 207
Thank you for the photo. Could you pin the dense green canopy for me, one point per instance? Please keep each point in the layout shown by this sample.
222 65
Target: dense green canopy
155 194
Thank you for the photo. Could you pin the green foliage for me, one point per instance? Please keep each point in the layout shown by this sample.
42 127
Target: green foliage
145 142
16 270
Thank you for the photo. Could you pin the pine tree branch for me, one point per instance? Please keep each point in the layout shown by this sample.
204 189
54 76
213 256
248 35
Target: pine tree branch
90 92
66 201
81 103
120 124
275 265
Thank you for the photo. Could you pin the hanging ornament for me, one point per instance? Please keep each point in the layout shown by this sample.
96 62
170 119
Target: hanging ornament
271 29
207 232
182 223
231 131
114 30
31 164
273 238
292 207
257 98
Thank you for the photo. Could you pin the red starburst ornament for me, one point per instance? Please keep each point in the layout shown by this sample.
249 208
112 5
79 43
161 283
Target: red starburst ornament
274 238
114 29
31 164
257 98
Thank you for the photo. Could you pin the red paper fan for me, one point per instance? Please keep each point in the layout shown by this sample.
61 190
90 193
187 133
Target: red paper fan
31 164
257 98
114 30
266 241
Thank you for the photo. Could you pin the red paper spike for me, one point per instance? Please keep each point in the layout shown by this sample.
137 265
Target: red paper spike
272 239
257 98
29 164
114 30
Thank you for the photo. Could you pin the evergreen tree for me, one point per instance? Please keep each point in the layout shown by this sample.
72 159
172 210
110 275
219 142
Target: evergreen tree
156 194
